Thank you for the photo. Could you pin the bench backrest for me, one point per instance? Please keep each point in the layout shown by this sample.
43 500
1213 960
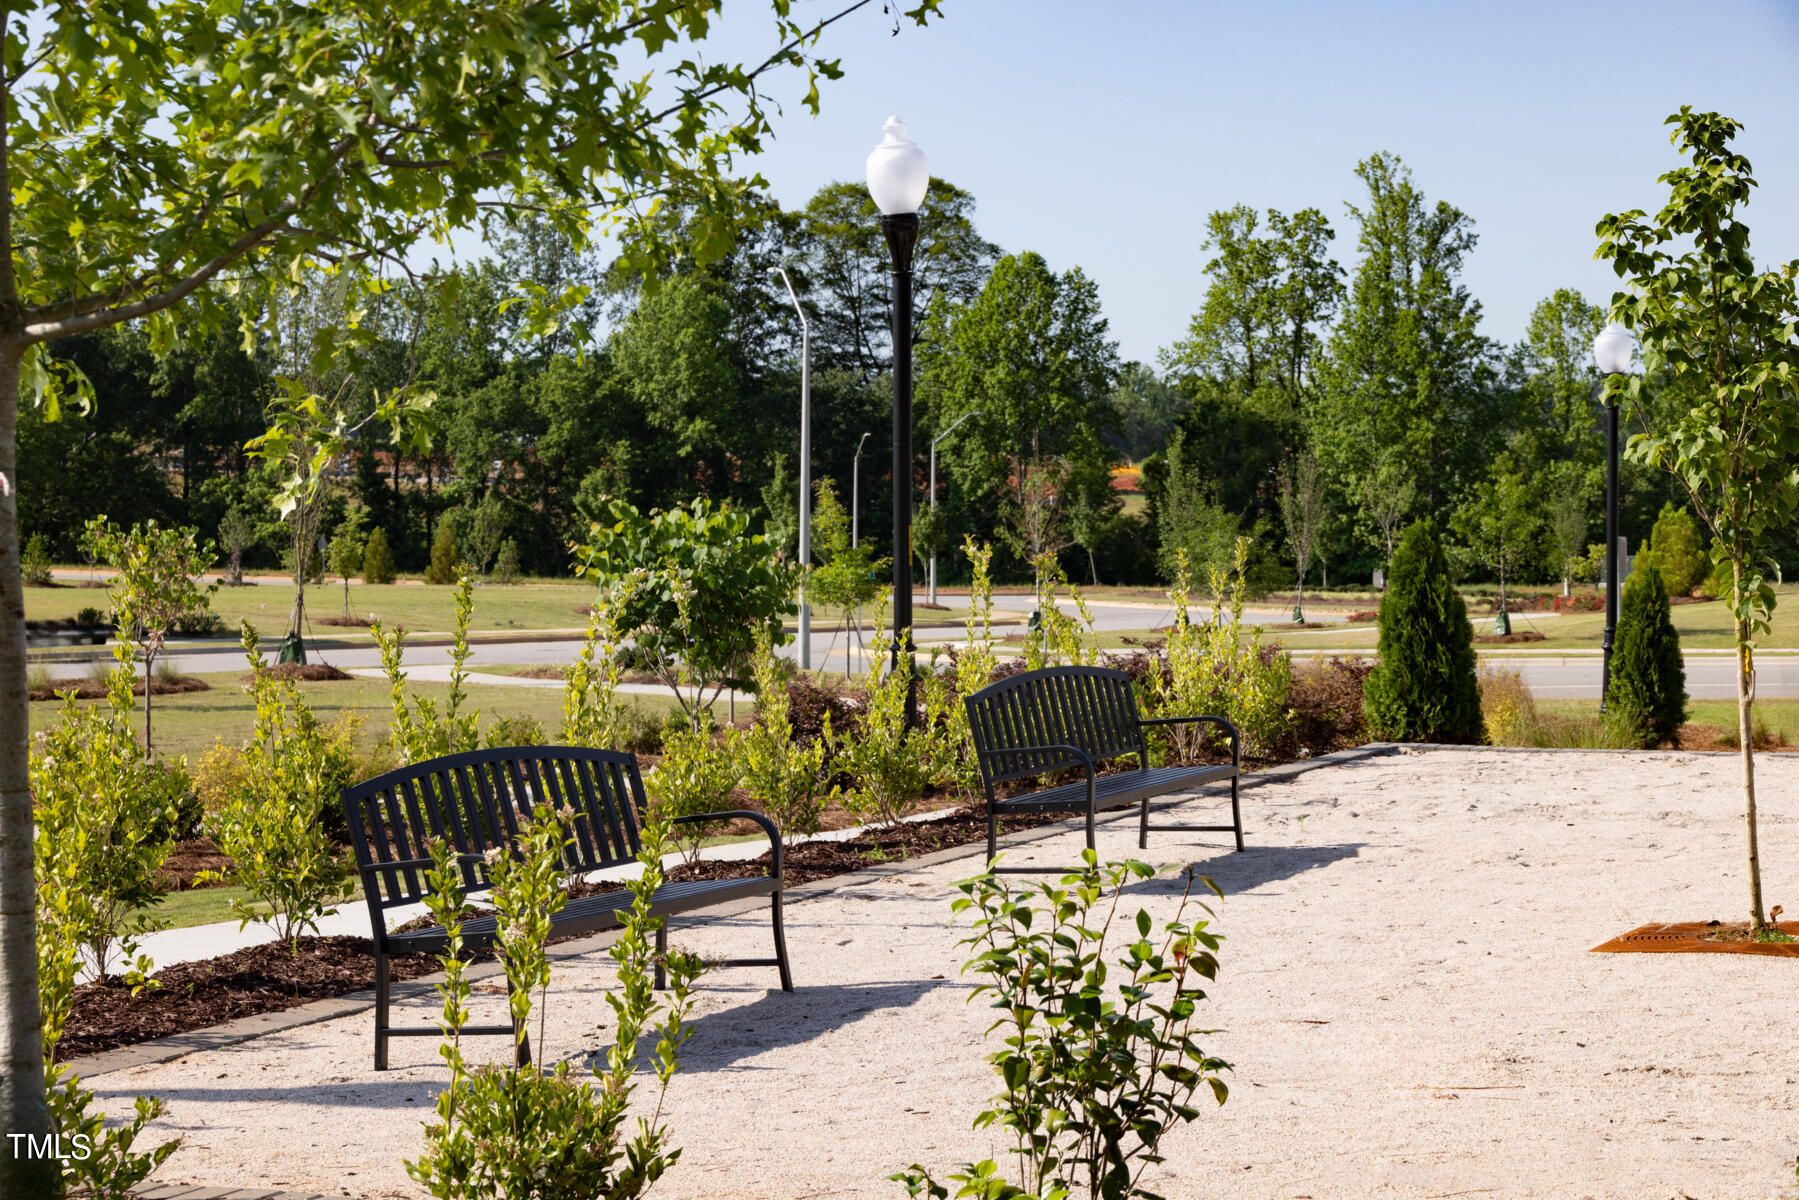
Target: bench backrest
478 801
1094 708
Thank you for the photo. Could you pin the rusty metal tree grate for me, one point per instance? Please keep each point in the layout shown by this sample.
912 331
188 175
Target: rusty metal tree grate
1691 937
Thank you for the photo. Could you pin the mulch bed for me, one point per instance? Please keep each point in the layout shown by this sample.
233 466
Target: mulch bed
196 995
180 872
342 622
86 687
1507 639
306 672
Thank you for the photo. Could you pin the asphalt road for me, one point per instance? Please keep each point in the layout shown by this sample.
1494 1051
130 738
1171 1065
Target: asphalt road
1549 675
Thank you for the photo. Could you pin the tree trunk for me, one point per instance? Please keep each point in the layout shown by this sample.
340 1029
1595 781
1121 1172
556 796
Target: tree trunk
1746 739
1091 568
21 1026
149 669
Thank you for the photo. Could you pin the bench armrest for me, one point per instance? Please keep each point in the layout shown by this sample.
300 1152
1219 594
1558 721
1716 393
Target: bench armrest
768 827
1086 763
407 864
1223 722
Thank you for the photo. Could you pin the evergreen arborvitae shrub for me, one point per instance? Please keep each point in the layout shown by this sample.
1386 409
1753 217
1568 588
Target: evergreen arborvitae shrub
1424 688
505 569
377 559
443 555
1679 550
1647 698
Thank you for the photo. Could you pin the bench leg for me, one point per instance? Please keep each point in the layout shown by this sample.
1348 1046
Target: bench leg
992 836
381 1001
662 956
781 946
1236 814
1143 827
521 1037
1091 844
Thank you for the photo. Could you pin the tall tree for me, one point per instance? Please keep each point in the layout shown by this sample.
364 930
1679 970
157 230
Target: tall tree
1408 371
153 147
1723 330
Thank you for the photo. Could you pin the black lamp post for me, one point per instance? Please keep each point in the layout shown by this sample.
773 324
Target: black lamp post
1612 352
897 179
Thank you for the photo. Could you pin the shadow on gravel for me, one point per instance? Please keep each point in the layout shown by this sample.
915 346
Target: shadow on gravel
782 1019
1254 866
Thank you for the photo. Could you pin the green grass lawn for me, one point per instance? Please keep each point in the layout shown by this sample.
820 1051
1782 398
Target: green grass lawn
1776 716
189 723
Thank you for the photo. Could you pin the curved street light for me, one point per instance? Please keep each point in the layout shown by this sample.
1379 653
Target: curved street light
805 467
898 177
1613 351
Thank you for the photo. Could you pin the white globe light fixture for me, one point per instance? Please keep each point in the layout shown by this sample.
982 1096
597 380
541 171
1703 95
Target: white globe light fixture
897 172
1614 349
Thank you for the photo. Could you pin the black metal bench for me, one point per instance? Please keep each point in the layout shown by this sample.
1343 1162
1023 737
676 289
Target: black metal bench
479 801
1060 718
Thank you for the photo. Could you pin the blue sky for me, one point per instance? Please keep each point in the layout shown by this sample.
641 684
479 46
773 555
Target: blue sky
1101 133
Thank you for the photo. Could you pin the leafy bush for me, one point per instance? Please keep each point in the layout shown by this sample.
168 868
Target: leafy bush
517 731
973 662
1679 551
272 823
377 558
591 713
1211 668
34 563
1097 1067
1325 700
892 758
1424 688
106 822
696 775
791 780
505 1131
505 568
1581 602
221 772
1646 700
1507 708
89 617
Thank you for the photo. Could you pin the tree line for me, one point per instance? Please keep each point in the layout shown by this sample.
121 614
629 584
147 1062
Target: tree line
1314 407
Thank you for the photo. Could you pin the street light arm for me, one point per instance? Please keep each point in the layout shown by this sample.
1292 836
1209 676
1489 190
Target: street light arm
782 272
952 426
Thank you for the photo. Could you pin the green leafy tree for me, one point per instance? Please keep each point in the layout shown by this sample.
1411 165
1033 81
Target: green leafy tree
1566 526
34 564
377 558
694 588
1146 408
1500 522
419 731
156 585
1303 513
1722 329
1424 687
696 775
892 757
1679 554
303 138
346 552
1195 528
1555 364
237 533
847 576
506 566
1646 699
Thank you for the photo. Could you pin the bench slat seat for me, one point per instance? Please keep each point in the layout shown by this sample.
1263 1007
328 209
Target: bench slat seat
1042 723
478 801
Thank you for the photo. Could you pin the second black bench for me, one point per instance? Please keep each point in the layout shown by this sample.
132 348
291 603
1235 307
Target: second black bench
1044 722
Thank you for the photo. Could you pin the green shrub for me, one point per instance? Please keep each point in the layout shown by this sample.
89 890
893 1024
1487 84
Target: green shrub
591 713
444 556
377 559
90 617
34 564
418 732
891 760
696 775
505 567
791 781
1679 551
1099 1061
516 731
504 1131
272 824
107 820
1647 697
1424 688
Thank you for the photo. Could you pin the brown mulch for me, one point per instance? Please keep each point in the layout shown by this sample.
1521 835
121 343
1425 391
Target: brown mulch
195 995
342 622
306 672
1696 736
86 687
1496 639
541 672
181 870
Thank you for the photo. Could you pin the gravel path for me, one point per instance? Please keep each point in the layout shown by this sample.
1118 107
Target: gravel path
1406 993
